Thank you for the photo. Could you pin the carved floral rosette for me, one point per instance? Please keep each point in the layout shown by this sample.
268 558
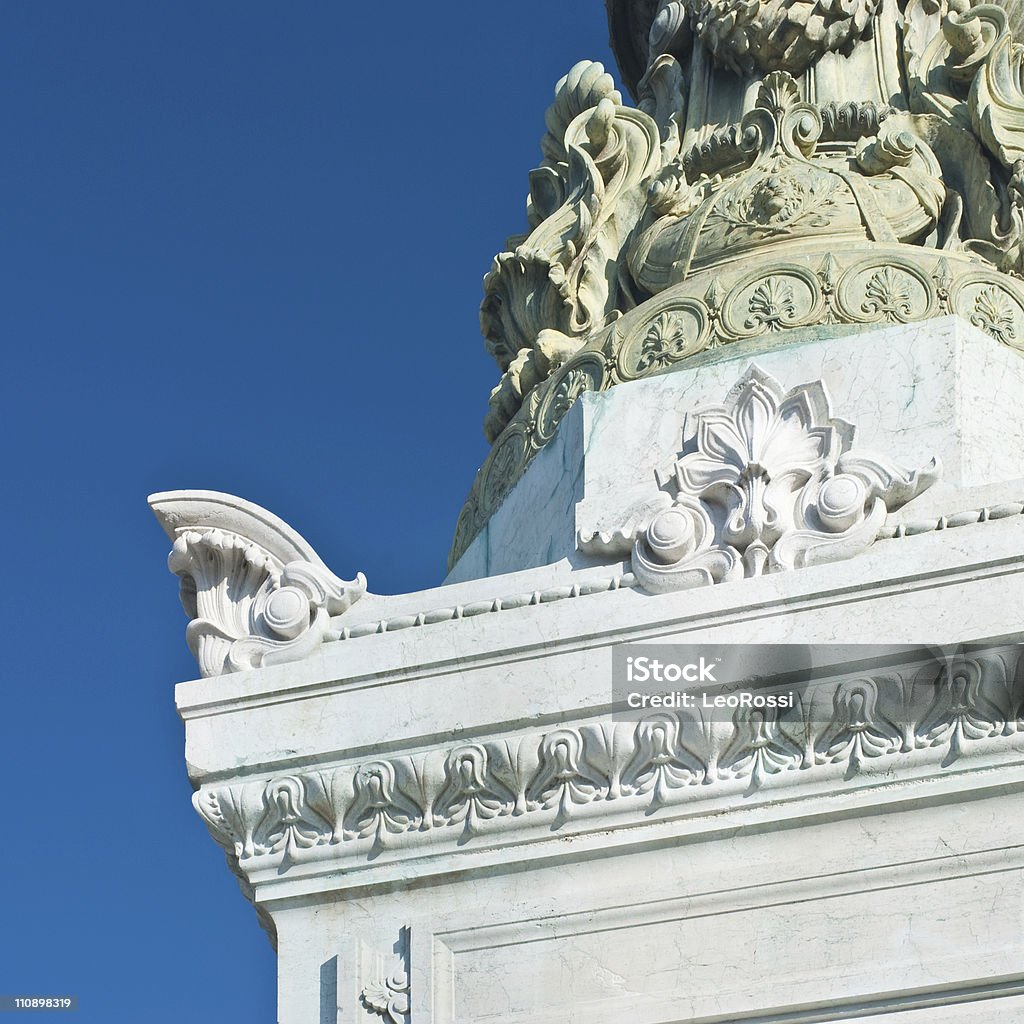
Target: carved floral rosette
769 481
916 716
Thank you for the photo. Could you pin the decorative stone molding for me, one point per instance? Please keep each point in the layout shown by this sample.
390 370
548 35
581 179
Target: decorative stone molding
586 588
614 546
255 591
926 712
987 514
825 166
768 481
856 284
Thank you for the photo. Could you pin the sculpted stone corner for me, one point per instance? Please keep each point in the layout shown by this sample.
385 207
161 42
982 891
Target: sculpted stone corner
256 593
766 482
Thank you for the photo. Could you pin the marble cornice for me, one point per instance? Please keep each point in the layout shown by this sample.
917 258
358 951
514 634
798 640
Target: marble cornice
627 580
901 733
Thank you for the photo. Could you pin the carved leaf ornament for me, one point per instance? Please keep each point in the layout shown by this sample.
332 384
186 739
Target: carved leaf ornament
256 593
994 313
665 339
769 481
388 998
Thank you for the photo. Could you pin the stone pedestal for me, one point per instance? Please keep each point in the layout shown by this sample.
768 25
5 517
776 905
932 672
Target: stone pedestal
940 388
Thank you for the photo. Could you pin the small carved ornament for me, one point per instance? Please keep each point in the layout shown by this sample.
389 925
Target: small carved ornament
766 482
255 591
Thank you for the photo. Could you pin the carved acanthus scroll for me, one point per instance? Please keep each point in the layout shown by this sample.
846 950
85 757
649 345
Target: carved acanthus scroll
769 481
563 280
255 591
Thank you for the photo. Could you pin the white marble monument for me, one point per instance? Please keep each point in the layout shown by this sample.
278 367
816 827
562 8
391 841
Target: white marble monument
761 384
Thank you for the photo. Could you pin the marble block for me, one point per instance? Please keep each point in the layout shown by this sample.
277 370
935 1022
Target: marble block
939 389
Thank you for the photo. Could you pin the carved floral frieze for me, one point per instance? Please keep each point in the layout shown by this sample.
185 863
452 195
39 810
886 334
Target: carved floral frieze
928 711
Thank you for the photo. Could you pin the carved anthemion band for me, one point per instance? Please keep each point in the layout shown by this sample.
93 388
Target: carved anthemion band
928 713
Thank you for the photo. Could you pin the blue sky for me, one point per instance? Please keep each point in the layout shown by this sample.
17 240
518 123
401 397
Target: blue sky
241 249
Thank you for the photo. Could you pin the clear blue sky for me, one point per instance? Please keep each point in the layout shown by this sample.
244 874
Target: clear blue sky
242 245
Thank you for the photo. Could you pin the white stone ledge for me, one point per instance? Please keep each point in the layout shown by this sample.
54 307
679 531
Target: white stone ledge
540 663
